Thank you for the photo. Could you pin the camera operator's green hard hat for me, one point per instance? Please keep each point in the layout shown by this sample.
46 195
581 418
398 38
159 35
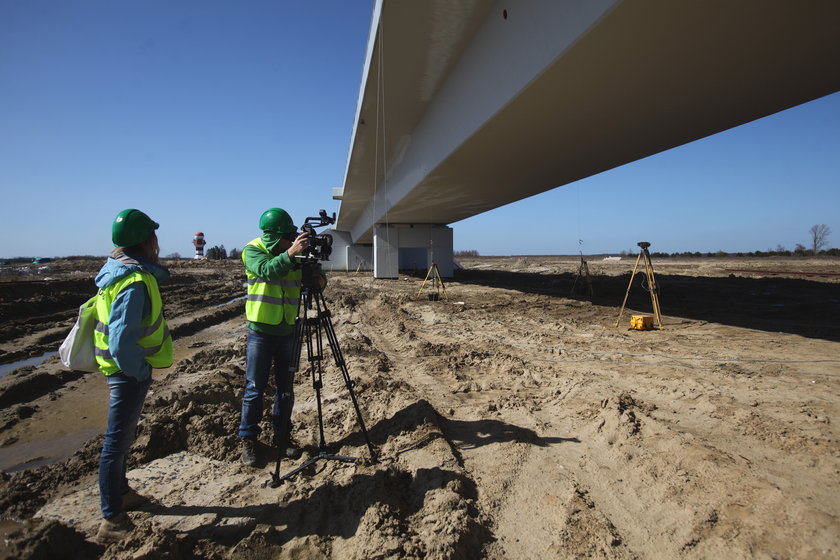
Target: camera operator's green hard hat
130 227
277 220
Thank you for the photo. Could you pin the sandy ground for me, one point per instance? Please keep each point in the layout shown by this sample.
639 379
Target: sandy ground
511 419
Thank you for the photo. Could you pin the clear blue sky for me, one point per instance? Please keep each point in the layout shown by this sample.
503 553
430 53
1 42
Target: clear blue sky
204 113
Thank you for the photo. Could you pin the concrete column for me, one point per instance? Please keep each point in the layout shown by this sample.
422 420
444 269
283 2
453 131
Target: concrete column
434 241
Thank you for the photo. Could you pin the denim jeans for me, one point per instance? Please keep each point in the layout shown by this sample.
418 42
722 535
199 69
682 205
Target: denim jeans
263 352
126 402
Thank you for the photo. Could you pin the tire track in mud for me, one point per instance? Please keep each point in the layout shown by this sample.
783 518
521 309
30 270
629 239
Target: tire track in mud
659 459
419 380
749 461
617 439
498 454
547 511
634 484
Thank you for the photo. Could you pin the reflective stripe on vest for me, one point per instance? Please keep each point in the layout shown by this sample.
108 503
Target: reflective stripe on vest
155 338
271 302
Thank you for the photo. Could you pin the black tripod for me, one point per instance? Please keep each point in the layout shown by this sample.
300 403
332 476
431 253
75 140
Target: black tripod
310 329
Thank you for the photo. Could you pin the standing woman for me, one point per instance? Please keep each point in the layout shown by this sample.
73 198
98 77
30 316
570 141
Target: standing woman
131 338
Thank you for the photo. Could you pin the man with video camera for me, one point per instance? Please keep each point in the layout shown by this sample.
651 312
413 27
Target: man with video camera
271 307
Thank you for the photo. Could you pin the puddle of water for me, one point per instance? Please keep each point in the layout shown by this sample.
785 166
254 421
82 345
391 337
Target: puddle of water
229 302
5 369
22 456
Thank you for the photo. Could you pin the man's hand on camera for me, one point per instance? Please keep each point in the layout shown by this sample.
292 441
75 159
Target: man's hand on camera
300 244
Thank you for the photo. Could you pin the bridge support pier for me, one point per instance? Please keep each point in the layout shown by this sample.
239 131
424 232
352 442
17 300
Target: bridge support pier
411 247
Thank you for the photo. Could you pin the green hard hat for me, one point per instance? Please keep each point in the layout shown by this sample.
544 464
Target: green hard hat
131 227
277 220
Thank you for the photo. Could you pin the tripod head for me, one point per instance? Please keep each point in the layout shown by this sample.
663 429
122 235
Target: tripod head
319 249
311 275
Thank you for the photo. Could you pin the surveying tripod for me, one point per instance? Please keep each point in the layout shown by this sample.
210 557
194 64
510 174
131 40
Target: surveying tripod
651 284
309 329
437 283
583 272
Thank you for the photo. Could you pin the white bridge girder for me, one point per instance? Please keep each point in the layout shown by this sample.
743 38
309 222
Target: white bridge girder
469 105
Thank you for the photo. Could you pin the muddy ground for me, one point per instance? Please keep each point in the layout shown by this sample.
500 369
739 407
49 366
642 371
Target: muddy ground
511 418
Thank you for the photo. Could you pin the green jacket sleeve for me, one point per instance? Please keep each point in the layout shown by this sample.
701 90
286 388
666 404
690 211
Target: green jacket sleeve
266 266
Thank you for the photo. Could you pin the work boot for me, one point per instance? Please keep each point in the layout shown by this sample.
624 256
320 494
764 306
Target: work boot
114 529
131 500
249 452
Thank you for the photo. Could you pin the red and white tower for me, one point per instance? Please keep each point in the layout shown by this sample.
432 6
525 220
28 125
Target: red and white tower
198 241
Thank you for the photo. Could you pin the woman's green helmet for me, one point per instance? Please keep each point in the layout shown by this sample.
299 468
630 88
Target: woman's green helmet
277 220
131 227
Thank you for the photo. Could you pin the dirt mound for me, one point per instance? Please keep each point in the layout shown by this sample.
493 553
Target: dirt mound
51 540
417 501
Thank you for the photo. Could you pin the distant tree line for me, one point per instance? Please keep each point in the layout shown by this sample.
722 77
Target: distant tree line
819 239
800 251
216 253
469 253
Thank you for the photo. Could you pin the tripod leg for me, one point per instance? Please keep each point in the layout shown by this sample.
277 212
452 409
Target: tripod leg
442 285
626 295
294 366
588 280
654 289
423 285
318 383
314 350
324 316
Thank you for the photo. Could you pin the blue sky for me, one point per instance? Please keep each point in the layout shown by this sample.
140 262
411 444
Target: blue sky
205 113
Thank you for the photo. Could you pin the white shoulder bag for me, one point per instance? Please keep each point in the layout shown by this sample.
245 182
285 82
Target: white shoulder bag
77 350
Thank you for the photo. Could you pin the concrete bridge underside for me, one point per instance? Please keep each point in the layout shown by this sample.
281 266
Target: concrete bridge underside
469 105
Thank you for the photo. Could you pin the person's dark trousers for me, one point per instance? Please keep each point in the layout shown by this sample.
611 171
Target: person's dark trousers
266 352
126 401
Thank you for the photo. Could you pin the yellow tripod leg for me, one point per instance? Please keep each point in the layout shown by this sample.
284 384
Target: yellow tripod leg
627 294
423 285
442 285
654 290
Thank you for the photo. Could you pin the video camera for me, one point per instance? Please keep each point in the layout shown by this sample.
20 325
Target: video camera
319 249
320 246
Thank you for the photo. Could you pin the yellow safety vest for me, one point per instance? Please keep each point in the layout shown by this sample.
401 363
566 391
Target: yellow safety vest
154 332
272 302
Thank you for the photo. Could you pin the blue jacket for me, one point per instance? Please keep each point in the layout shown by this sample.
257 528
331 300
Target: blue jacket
128 310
